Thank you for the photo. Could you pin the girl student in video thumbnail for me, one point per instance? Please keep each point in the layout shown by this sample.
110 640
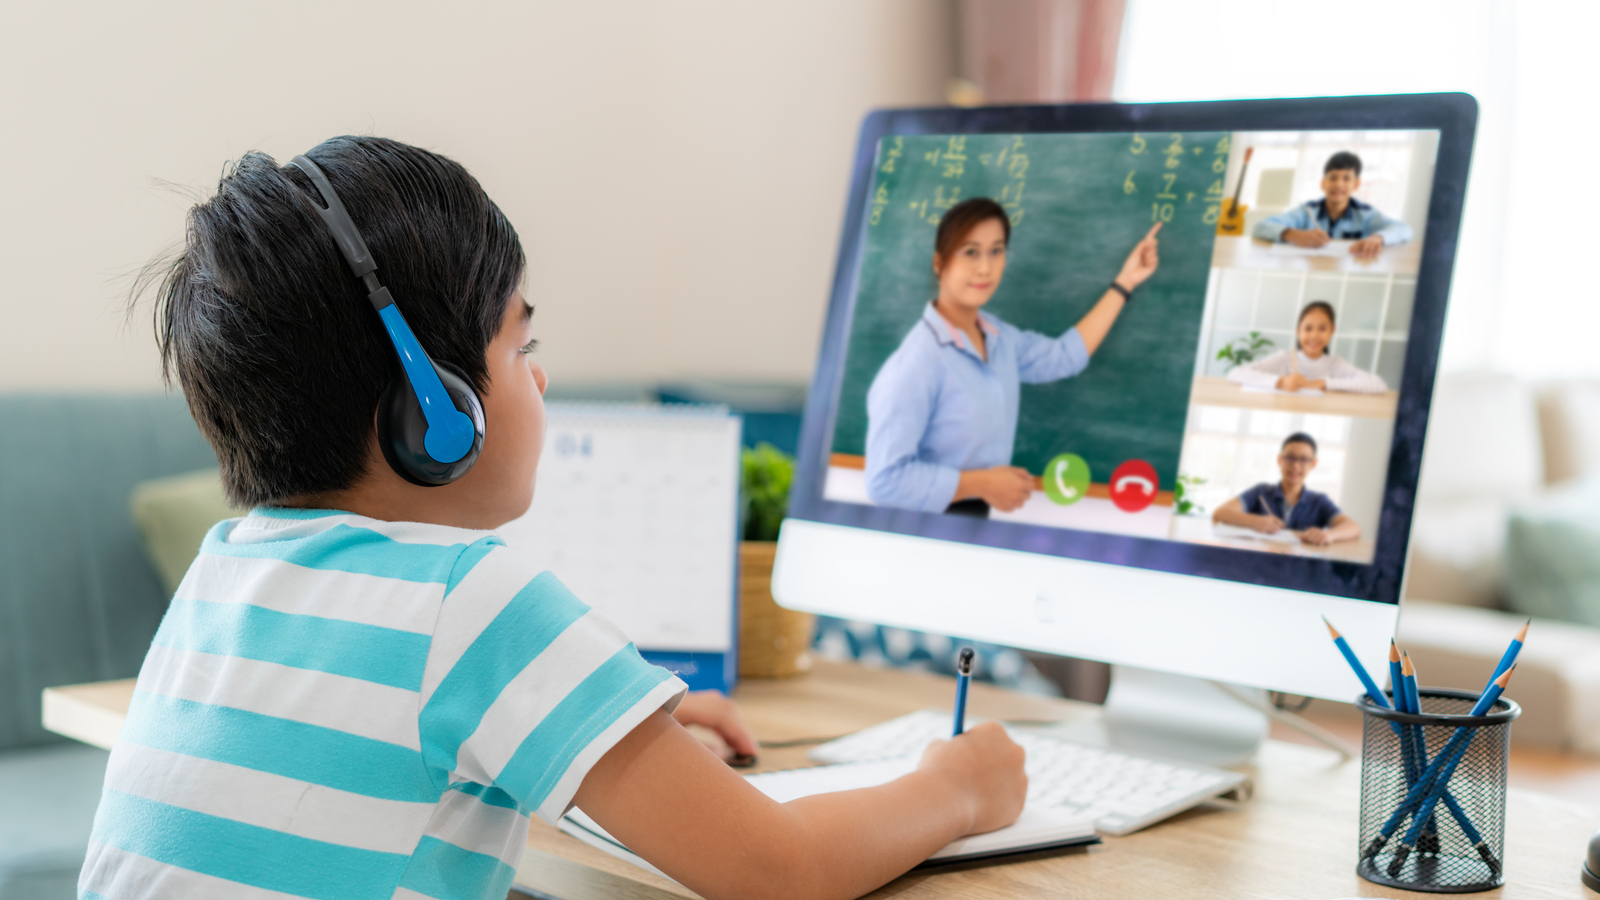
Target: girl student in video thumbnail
942 411
1309 365
1289 504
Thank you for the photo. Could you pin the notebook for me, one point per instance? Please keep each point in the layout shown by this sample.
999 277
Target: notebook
1038 828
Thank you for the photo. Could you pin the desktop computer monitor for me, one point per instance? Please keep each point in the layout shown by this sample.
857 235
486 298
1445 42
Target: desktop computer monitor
1184 482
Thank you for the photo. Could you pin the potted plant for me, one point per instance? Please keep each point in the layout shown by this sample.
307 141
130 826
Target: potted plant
773 642
1242 350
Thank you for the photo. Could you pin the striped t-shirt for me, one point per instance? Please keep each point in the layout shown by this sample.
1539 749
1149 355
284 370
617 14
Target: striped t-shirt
339 707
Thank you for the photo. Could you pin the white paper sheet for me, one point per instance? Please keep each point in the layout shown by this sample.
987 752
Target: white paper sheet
1303 392
1331 248
1234 531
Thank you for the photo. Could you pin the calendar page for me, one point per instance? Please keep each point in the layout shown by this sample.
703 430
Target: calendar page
636 510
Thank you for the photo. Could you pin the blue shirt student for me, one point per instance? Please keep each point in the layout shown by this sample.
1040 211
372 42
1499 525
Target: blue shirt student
1312 510
1358 220
937 408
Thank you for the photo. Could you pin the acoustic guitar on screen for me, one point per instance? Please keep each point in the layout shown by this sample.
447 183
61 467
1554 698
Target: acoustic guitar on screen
1231 221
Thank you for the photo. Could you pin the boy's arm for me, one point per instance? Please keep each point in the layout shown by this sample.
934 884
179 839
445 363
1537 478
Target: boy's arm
1393 231
670 800
1272 228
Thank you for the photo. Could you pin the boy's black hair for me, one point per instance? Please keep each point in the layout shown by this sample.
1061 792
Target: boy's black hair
1300 437
1344 159
279 354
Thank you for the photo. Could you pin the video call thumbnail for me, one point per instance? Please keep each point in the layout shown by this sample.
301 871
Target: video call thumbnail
1188 336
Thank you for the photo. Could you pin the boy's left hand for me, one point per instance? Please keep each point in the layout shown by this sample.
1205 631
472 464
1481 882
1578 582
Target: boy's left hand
1316 537
713 710
1367 248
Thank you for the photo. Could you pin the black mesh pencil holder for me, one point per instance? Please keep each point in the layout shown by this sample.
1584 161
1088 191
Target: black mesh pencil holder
1433 793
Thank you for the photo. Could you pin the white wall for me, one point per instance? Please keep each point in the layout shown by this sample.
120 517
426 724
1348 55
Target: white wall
677 171
1281 49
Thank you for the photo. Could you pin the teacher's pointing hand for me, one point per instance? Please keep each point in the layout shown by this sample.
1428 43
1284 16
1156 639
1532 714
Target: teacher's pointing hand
1142 262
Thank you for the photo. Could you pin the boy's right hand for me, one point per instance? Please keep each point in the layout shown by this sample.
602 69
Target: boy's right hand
1268 524
1306 237
985 766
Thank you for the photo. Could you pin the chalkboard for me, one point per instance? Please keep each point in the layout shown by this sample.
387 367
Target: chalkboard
1078 205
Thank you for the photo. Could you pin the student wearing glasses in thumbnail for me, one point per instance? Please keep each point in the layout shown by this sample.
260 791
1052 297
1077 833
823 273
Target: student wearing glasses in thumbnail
942 412
1289 504
1337 216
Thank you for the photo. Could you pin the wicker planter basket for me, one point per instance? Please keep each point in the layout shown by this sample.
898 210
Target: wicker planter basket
773 642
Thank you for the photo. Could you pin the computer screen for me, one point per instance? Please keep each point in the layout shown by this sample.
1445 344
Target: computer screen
1192 339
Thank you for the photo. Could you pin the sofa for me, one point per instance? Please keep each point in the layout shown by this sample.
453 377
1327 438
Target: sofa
1502 533
78 602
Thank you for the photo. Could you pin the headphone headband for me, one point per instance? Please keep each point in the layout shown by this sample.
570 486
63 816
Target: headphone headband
338 221
449 435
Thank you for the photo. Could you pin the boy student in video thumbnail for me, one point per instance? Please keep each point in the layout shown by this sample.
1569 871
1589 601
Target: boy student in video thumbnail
1289 504
1309 365
1337 216
942 412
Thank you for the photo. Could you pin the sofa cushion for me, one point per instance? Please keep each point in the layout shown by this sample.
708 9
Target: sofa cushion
78 600
1457 551
1558 673
1483 440
1569 423
48 796
173 515
1553 554
1469 473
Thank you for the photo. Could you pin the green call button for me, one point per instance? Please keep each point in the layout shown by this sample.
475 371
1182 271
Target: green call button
1066 479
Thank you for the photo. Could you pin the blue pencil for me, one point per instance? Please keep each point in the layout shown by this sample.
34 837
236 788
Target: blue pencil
1402 702
1424 794
963 675
1360 670
1450 802
1509 659
1441 780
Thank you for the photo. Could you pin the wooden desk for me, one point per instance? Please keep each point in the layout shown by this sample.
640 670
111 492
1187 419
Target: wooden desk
1249 253
1199 530
1296 838
1214 390
92 713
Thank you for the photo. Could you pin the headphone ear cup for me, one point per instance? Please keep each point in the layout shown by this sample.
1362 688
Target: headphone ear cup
402 426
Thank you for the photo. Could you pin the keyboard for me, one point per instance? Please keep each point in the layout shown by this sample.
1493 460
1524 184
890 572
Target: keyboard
1121 792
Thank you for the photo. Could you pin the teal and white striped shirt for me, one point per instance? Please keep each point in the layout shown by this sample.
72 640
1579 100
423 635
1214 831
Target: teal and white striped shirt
342 708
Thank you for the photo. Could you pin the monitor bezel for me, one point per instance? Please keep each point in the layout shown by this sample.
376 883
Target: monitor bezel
1453 115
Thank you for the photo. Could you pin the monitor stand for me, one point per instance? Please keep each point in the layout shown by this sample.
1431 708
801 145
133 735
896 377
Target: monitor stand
1174 716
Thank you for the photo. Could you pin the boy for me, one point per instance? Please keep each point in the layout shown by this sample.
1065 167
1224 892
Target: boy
360 692
1270 508
1337 216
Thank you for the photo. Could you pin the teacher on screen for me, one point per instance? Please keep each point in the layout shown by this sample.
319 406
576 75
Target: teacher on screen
942 412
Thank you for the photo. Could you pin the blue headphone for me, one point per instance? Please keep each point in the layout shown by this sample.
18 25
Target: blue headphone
430 420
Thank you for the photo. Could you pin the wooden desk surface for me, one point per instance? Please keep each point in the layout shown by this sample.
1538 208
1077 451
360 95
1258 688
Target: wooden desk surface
92 713
1199 530
1249 253
1215 390
1296 838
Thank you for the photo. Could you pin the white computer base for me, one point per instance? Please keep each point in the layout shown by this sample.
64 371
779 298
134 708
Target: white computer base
1186 719
1172 716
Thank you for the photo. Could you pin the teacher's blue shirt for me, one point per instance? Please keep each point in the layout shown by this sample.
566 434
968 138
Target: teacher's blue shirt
937 408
